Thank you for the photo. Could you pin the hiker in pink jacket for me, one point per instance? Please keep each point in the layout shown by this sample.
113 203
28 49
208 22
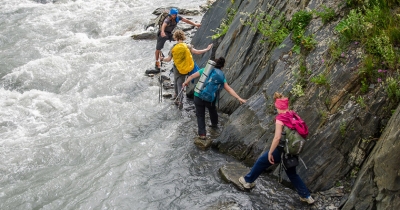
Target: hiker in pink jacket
273 156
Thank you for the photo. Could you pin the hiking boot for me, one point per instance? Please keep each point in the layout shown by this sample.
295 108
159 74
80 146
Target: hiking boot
309 200
158 65
246 184
213 126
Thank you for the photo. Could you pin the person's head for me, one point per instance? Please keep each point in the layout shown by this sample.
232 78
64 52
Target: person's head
173 12
219 62
179 35
281 102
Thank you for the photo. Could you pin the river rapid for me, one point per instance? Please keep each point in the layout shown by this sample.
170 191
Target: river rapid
81 126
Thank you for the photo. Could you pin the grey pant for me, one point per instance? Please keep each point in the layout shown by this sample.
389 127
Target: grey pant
179 80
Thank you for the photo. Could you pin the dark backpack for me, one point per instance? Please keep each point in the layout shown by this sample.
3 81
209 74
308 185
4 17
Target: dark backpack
293 143
212 85
160 19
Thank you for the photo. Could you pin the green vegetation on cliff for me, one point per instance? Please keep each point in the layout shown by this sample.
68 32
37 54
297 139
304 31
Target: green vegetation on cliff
375 26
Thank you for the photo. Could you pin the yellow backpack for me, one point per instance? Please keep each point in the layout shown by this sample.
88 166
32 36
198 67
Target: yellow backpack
183 59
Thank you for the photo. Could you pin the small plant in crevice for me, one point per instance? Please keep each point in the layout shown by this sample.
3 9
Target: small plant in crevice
309 42
327 14
320 80
342 128
225 24
351 27
301 79
364 86
324 117
361 102
393 89
354 172
336 51
302 18
297 91
271 27
299 22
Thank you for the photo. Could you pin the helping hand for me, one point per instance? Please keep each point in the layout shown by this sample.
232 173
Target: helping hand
271 158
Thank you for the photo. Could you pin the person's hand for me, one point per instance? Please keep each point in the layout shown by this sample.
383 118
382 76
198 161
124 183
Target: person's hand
271 158
184 84
209 46
242 101
163 34
197 25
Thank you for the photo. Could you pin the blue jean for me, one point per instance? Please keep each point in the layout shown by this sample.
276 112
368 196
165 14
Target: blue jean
201 114
262 163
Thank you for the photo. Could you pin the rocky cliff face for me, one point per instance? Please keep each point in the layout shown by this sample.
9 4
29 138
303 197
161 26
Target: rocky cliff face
343 132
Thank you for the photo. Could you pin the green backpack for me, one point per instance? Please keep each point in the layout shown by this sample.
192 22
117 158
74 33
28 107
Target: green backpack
291 141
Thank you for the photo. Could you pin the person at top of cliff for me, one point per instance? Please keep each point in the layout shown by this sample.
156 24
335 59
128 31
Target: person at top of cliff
165 32
201 104
273 156
183 59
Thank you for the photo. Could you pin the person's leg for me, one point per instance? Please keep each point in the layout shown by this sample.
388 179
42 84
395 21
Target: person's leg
200 114
261 164
157 54
160 44
212 110
297 182
177 81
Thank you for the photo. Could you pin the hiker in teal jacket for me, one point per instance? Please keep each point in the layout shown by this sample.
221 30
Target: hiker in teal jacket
201 104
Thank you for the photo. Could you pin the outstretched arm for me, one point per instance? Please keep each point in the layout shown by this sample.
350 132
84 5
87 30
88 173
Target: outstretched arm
190 22
195 75
167 59
275 142
233 93
162 29
195 51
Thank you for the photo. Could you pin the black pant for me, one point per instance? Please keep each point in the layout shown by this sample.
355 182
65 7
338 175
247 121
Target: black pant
201 114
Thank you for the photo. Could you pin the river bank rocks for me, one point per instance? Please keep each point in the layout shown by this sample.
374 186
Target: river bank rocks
347 138
152 27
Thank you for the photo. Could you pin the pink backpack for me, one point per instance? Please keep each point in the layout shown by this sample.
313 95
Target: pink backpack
293 121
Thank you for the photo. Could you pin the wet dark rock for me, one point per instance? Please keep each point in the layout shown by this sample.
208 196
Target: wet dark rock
231 173
146 35
343 134
167 95
202 143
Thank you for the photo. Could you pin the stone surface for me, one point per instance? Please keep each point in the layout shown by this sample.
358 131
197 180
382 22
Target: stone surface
202 144
231 173
378 183
342 132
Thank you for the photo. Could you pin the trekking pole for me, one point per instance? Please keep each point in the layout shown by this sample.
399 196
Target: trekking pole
160 91
179 94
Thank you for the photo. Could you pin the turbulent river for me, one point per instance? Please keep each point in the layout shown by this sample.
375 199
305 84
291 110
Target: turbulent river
81 126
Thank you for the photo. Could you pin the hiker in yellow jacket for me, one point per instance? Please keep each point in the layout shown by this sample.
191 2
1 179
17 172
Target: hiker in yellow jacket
181 53
165 32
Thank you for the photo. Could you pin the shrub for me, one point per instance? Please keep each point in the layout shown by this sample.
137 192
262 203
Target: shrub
301 18
320 80
326 15
352 27
393 89
224 27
